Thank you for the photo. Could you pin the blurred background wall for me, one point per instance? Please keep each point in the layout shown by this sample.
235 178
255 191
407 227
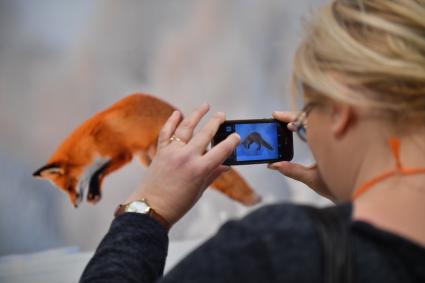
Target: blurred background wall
62 61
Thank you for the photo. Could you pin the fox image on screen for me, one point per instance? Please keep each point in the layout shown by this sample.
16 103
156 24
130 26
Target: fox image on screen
256 138
264 135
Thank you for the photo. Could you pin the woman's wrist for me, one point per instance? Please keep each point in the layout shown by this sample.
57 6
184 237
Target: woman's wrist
156 212
159 203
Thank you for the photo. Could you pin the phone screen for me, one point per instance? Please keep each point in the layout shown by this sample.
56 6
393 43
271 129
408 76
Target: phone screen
262 141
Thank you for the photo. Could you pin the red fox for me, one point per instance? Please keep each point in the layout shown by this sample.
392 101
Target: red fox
255 137
108 140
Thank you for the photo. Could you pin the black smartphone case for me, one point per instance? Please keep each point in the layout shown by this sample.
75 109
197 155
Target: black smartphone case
284 141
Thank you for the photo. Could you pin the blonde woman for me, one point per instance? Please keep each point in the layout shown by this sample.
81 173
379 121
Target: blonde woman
360 71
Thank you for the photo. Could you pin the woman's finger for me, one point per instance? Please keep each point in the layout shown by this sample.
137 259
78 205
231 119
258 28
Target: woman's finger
295 171
219 153
185 129
169 128
285 116
201 140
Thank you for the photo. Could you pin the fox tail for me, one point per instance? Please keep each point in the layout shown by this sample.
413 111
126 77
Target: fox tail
267 145
234 186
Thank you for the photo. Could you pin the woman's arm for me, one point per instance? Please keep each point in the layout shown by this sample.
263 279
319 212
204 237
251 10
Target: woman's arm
133 250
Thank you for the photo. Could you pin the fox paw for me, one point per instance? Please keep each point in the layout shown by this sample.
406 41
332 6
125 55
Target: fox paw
93 198
251 199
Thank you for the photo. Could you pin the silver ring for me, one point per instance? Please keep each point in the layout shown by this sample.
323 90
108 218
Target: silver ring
175 138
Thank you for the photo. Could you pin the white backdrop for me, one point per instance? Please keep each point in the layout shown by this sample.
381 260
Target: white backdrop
61 61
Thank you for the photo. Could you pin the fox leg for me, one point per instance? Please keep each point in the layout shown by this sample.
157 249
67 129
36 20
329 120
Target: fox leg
145 159
147 155
96 180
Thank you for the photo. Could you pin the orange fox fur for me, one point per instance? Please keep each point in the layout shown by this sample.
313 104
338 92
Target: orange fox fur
108 140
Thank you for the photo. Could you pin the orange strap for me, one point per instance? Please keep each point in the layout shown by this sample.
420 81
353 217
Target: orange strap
395 150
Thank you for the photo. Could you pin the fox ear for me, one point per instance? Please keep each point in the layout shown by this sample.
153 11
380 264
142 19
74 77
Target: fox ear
48 169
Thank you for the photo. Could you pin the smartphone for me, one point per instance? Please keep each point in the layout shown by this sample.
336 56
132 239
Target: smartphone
262 141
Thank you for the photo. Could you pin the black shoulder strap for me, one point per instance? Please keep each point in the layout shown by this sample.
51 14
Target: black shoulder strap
334 232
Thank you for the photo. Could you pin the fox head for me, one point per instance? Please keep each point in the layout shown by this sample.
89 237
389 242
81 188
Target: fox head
58 174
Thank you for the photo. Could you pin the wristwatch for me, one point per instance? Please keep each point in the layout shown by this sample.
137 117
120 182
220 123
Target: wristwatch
141 206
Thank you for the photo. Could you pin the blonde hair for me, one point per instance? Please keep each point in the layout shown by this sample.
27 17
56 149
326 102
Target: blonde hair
369 53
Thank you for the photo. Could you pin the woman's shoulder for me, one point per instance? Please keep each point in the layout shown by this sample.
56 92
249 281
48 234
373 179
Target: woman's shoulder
285 230
274 243
288 218
278 241
386 255
283 226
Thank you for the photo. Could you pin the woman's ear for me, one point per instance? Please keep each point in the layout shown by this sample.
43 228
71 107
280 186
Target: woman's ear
343 117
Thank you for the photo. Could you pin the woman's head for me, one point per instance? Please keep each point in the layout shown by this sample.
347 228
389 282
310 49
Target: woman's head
368 55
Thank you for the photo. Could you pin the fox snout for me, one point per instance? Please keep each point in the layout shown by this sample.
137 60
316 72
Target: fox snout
57 175
75 198
75 180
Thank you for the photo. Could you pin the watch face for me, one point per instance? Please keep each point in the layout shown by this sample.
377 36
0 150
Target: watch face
138 206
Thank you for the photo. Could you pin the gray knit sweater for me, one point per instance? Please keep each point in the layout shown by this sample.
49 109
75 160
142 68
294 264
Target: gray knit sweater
276 243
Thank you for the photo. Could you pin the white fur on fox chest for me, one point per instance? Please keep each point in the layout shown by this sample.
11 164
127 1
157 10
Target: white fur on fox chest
88 172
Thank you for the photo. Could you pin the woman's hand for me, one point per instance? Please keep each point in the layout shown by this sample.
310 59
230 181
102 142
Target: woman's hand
308 175
182 169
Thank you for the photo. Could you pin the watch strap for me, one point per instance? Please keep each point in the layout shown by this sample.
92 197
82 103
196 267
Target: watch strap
122 208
